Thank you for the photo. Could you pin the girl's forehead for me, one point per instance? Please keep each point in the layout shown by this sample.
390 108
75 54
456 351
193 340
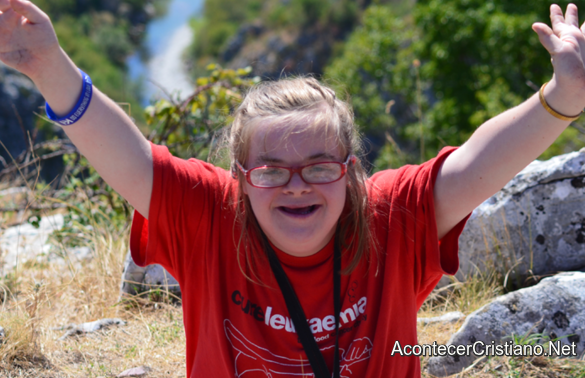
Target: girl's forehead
293 143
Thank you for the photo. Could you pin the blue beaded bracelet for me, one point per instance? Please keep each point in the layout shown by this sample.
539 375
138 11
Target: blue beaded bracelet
80 107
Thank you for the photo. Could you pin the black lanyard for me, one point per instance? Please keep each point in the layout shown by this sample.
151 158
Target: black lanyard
299 319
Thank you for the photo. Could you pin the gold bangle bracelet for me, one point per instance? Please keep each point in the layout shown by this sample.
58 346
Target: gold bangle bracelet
551 110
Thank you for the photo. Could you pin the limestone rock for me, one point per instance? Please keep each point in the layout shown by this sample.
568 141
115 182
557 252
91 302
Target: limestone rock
534 225
79 329
136 279
555 308
450 317
24 242
140 371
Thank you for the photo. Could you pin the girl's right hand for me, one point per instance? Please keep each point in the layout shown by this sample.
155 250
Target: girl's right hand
27 39
105 135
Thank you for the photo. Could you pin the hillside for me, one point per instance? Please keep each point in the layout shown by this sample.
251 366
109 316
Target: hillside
274 37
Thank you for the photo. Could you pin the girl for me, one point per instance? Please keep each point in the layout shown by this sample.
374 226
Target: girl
294 263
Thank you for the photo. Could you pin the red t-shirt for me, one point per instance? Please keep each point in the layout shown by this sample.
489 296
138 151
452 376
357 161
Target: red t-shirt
236 328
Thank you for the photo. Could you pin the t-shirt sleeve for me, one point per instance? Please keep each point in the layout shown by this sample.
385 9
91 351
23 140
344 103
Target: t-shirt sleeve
185 197
410 193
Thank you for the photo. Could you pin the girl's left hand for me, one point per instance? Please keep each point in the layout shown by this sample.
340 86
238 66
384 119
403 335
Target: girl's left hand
566 44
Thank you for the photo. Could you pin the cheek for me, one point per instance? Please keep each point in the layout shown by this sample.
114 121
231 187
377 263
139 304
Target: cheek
336 197
259 198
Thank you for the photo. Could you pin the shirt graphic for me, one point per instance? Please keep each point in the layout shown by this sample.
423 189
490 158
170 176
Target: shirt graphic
253 361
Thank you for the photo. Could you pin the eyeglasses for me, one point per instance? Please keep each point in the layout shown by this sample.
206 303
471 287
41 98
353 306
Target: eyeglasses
316 174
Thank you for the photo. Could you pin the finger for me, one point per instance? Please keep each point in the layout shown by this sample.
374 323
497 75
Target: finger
4 5
556 18
9 20
30 11
572 16
547 37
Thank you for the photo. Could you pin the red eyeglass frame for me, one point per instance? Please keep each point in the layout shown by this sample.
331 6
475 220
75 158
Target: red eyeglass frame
350 159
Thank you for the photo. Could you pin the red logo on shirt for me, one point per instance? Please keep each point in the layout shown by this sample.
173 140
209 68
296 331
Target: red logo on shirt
352 293
247 306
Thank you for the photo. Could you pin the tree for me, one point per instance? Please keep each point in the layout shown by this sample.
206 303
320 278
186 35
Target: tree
375 70
478 58
481 58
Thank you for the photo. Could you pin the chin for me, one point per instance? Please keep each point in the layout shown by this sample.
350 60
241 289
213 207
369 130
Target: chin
301 243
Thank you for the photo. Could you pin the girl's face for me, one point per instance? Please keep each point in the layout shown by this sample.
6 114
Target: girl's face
298 218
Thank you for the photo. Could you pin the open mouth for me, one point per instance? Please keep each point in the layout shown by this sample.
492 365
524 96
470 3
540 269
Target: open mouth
299 210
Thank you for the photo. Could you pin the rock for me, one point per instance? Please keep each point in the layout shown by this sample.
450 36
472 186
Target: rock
554 308
140 371
24 242
132 277
273 54
14 191
136 279
534 225
450 317
79 329
236 42
19 100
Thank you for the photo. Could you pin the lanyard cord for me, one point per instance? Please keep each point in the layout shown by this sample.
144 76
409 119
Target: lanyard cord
299 318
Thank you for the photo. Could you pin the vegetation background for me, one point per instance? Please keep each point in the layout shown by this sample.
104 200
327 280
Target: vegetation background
420 75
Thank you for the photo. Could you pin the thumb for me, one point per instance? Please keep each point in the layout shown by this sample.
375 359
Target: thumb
29 11
547 37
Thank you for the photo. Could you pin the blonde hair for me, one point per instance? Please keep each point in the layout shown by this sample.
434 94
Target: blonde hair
290 102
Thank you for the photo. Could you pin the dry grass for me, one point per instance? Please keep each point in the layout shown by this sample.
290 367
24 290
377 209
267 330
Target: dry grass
53 295
465 296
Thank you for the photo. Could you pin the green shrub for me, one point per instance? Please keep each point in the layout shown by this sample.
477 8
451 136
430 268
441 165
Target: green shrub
375 68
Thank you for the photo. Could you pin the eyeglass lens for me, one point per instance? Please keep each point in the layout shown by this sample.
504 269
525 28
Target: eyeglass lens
321 173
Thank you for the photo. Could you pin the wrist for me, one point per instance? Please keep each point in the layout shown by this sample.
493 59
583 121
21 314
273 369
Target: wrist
60 82
80 107
564 99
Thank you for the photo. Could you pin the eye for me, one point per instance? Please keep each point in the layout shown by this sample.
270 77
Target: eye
322 173
272 171
320 168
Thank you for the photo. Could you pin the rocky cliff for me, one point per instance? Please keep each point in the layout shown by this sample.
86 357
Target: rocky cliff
19 100
299 38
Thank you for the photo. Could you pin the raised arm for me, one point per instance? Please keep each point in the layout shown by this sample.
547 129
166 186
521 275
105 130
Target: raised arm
504 145
105 135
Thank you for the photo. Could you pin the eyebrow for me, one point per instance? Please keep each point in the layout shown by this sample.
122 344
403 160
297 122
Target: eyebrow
268 159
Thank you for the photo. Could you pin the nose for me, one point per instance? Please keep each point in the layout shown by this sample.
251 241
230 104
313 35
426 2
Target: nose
297 185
